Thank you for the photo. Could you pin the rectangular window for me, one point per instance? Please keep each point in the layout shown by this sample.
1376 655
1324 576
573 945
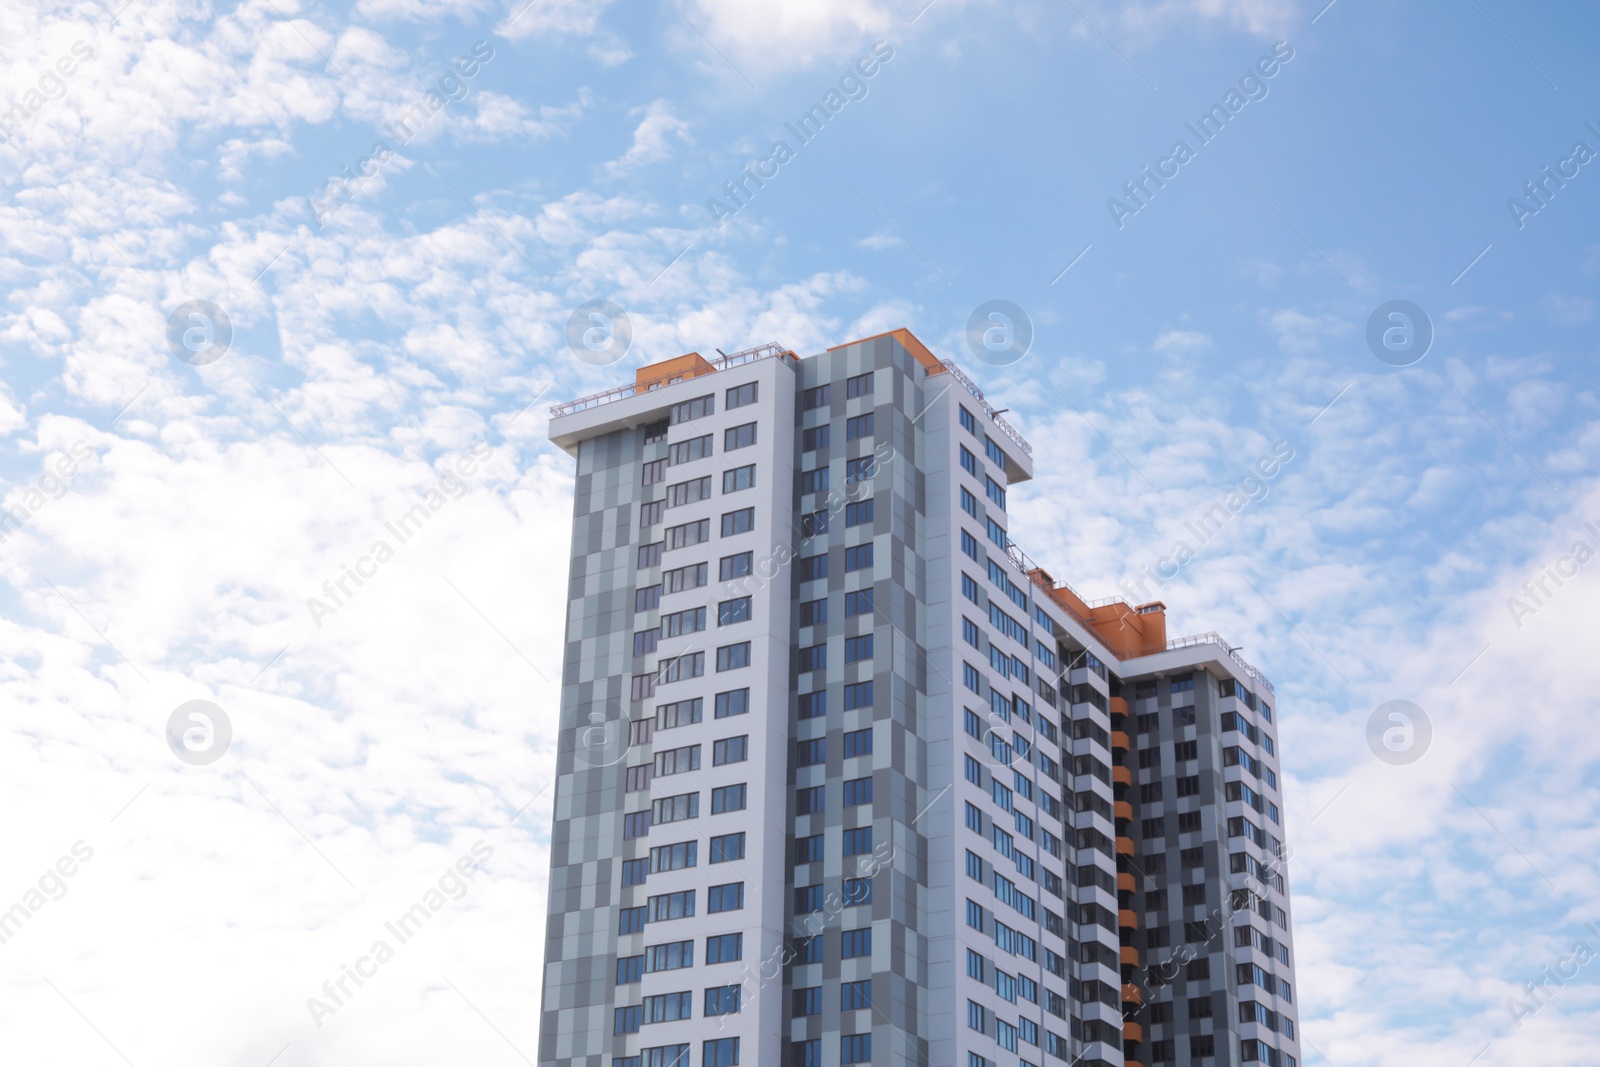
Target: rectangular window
858 743
859 427
857 648
683 578
969 462
644 643
679 713
728 798
807 899
855 1048
742 395
996 492
995 453
649 555
732 611
854 943
854 996
814 438
813 705
688 621
969 547
860 470
804 1003
669 957
638 778
730 750
815 398
723 1052
808 849
812 658
810 800
813 524
814 481
635 824
727 847
630 969
651 513
634 872
813 612
626 1020
969 503
721 1000
813 567
860 385
678 761
653 472
675 809
688 534
733 702
857 891
858 842
735 566
858 603
738 522
857 695
859 513
737 437
644 686
676 857
732 657
689 492
739 478
858 557
681 668
669 906
811 753
724 948
647 599
728 897
967 421
698 408
691 449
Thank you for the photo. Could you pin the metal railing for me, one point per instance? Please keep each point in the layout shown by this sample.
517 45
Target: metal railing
994 416
1213 638
720 363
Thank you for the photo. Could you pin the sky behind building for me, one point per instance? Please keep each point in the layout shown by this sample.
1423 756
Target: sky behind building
398 339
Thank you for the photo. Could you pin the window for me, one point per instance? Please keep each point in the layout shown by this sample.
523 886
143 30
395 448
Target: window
859 427
722 1000
806 1002
698 408
733 702
669 957
996 492
627 1020
689 492
630 969
681 713
634 872
678 857
854 996
689 534
724 948
656 432
858 842
736 437
635 824
854 943
732 611
651 513
649 555
739 478
730 750
723 1052
858 557
860 470
741 395
654 472
808 849
858 603
738 522
728 798
814 438
969 546
858 743
807 899
857 648
814 481
644 643
683 578
813 612
678 760
679 668
967 421
969 503
995 453
857 695
857 791
639 778
859 513
735 566
811 753
969 588
670 906
813 658
969 462
813 567
689 621
647 599
810 800
691 449
727 847
860 385
631 921
732 657
668 1007
814 398
857 891
728 897
813 705
675 809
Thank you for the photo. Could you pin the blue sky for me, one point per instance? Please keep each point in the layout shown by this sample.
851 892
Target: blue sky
376 346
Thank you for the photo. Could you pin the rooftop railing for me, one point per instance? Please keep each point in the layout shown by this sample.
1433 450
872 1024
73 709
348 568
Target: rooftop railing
720 363
1213 638
994 416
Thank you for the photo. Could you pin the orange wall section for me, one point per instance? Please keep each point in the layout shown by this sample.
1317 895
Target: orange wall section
688 366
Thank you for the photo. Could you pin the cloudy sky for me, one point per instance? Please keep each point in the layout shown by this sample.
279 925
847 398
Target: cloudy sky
397 205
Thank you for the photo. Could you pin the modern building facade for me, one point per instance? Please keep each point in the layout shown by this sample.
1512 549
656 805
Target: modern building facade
845 778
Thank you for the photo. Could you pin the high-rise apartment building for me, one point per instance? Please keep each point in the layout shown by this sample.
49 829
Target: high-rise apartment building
845 778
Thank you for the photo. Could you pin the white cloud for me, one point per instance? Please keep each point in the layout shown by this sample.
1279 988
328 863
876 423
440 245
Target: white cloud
658 132
1181 343
1300 333
788 33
